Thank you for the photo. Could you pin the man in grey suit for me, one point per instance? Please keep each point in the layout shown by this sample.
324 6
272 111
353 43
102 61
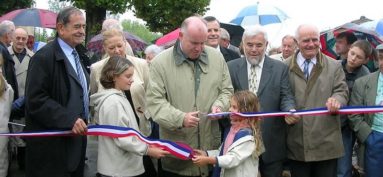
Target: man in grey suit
267 78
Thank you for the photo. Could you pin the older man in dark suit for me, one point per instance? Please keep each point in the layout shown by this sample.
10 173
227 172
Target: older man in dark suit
267 78
57 99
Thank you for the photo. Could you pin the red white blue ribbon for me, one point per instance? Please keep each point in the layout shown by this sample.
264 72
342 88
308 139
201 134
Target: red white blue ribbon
179 150
309 112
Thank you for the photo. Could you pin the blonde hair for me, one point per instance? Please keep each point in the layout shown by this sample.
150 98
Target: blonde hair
3 84
110 33
247 101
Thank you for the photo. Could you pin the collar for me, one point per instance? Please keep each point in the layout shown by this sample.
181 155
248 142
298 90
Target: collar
67 49
181 57
301 59
24 52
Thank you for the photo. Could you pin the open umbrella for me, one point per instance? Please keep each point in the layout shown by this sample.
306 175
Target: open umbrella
327 38
375 25
261 14
234 30
168 39
31 17
95 44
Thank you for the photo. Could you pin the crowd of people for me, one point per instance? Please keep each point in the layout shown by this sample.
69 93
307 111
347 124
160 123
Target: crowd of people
168 95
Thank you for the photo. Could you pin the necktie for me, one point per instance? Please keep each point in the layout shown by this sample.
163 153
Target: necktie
82 79
253 79
306 69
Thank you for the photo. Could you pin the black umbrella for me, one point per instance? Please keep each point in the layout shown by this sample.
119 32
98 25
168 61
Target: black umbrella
235 32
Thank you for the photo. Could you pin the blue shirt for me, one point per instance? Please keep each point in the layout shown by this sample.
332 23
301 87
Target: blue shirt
377 123
68 53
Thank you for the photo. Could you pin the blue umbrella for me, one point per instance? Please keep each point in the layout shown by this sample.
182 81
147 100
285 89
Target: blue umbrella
375 25
261 14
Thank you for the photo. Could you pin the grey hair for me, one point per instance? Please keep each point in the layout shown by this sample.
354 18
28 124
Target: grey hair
64 14
6 26
155 49
253 31
313 27
225 34
111 24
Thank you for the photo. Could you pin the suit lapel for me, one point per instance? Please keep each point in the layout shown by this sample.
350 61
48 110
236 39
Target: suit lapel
242 75
371 89
266 75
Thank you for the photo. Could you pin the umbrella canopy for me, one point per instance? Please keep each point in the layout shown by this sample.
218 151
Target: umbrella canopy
327 38
235 32
95 44
31 17
168 39
261 14
375 25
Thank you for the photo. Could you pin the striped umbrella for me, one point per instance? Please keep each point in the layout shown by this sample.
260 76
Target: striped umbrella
327 38
261 14
31 17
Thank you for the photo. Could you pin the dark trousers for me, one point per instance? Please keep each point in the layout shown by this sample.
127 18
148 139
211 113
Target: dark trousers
273 169
164 173
373 160
326 168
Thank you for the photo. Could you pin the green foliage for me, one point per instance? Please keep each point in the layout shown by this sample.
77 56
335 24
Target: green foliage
139 30
57 5
115 6
166 15
10 5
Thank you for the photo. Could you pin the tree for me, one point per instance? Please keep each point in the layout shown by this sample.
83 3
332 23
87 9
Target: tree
139 30
7 6
96 12
166 15
57 5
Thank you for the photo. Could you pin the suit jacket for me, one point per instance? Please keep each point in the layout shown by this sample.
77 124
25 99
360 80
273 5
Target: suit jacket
53 102
9 70
228 54
275 95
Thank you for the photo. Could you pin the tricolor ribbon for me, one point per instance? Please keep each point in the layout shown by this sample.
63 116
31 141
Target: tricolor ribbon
179 150
308 112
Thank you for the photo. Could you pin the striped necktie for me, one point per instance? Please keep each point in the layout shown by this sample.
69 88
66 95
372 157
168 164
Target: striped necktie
306 71
82 79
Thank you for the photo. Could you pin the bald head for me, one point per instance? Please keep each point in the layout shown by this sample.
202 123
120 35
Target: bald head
308 40
192 36
194 24
20 40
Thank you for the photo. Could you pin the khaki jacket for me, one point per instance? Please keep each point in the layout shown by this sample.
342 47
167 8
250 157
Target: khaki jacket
171 94
316 138
138 88
21 69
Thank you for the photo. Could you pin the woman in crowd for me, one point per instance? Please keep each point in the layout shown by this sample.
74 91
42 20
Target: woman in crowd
6 98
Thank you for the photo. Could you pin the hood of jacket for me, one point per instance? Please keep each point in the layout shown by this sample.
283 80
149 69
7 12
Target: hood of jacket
97 99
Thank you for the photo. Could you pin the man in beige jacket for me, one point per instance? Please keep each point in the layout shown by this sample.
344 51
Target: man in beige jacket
314 142
187 81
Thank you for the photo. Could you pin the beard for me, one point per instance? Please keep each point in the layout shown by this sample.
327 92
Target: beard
254 60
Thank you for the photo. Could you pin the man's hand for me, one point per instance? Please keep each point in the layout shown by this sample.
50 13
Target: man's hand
332 105
292 118
191 119
79 127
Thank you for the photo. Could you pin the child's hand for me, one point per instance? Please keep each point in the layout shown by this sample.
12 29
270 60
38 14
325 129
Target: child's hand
156 152
198 152
200 160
